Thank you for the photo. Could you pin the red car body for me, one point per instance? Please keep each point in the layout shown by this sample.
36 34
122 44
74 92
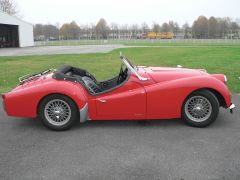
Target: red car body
161 96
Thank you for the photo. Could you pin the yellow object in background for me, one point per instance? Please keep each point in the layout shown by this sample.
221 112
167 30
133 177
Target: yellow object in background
160 35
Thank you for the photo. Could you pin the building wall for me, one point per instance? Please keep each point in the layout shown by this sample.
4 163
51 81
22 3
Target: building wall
25 29
25 35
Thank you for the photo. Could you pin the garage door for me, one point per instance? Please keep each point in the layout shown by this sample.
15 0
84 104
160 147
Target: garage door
9 36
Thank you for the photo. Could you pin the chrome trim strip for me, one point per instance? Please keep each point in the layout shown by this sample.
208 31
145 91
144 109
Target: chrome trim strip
84 113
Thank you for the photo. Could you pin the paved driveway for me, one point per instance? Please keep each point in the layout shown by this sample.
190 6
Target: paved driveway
46 50
121 150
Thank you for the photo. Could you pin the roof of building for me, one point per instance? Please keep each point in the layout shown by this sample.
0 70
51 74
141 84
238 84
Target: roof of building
12 20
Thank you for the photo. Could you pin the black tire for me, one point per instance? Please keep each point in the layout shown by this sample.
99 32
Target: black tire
51 122
211 115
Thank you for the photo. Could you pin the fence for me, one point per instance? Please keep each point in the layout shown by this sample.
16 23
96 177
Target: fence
144 42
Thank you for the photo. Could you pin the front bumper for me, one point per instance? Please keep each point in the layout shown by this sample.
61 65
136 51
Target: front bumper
232 107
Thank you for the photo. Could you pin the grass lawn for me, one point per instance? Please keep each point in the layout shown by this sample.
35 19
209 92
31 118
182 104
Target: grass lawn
215 59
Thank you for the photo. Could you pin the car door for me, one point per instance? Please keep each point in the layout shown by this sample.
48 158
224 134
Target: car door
125 102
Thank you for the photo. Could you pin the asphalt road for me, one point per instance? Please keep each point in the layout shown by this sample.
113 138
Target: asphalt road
165 149
81 49
47 50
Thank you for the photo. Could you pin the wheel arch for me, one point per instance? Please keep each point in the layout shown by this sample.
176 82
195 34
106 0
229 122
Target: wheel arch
45 96
219 96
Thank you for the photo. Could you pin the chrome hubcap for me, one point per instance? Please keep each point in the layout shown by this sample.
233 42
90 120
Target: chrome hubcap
198 108
57 112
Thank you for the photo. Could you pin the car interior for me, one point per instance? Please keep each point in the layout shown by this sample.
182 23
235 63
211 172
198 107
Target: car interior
89 81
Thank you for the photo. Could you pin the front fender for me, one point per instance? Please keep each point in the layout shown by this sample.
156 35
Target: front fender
165 99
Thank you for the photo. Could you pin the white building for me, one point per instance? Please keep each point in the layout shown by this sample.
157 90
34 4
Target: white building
15 32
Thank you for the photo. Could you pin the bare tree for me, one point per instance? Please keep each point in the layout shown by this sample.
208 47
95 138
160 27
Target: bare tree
156 28
125 31
224 25
165 27
8 6
234 29
187 30
145 27
102 29
45 32
134 30
114 30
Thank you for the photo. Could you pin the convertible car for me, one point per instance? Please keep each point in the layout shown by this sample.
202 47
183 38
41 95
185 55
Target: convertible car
64 96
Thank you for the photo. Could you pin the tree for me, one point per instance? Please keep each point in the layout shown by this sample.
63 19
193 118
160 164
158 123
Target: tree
102 29
165 27
156 28
125 31
234 29
145 27
134 30
74 30
8 6
38 32
200 27
187 30
224 26
173 27
51 32
114 30
45 32
70 31
213 27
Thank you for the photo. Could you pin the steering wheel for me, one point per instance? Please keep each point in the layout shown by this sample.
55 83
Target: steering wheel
120 76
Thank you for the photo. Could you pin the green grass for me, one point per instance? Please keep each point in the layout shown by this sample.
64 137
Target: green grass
215 59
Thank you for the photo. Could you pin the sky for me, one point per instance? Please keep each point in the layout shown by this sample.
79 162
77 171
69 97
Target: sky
124 11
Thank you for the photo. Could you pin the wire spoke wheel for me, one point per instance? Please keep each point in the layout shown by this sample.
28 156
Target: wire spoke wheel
57 112
198 108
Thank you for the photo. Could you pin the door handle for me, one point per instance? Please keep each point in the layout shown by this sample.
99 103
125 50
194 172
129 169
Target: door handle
102 100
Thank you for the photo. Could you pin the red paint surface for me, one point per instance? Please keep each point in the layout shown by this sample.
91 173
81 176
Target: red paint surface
160 97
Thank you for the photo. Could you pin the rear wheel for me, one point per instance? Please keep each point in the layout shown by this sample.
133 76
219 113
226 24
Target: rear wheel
58 112
200 109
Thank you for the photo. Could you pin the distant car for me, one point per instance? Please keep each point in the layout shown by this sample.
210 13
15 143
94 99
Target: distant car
61 97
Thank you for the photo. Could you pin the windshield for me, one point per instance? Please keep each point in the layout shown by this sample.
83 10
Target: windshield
131 67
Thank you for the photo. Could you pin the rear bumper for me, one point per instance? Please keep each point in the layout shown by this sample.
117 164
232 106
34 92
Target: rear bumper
232 107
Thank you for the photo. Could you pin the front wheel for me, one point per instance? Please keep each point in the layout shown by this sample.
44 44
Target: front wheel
200 109
58 112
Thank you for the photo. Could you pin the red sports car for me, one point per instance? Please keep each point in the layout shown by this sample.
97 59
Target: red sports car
62 97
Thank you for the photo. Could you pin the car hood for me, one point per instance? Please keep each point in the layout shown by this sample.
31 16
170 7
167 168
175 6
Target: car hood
161 74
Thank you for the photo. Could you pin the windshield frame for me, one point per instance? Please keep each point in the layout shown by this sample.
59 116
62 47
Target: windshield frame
132 68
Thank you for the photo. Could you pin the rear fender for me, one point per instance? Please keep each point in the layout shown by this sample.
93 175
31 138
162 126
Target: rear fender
24 101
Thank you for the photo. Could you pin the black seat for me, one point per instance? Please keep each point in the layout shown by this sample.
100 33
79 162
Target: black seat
91 84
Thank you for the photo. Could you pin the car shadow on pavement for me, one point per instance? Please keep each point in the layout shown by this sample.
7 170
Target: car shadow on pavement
223 120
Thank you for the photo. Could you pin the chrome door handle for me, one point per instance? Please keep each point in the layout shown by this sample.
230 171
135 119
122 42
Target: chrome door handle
102 100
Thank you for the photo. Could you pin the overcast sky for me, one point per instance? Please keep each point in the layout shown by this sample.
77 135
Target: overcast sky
124 11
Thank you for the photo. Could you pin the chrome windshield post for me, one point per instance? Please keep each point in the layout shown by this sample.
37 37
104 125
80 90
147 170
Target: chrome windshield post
130 66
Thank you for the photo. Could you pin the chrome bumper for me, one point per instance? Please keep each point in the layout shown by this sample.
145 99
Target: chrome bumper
232 107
